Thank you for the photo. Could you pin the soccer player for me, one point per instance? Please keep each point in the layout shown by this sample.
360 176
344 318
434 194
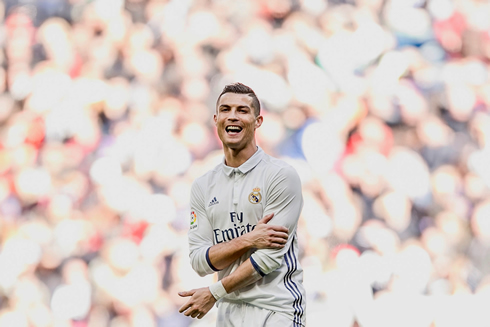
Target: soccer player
260 278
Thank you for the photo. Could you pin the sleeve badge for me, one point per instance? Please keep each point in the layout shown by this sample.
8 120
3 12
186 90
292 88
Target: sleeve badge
193 221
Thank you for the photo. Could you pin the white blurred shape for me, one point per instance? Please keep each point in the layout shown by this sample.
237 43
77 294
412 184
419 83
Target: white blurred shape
408 173
72 301
105 171
412 268
313 7
16 255
270 87
440 9
322 147
398 310
33 183
391 67
153 208
309 82
478 162
13 318
318 223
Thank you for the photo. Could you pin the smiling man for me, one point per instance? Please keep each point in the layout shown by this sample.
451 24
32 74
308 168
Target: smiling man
244 215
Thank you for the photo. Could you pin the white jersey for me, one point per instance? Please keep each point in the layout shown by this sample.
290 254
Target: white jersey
228 202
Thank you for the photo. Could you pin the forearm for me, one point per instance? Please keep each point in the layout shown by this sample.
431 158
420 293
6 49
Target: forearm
224 254
243 276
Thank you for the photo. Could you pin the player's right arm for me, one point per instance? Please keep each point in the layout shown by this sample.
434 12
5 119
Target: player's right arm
207 258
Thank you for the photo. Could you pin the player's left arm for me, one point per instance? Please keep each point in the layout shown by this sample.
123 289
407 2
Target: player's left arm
285 200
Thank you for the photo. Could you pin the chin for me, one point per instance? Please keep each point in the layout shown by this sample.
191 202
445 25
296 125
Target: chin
233 145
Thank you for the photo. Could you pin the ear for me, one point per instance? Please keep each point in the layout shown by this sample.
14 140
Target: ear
258 121
215 118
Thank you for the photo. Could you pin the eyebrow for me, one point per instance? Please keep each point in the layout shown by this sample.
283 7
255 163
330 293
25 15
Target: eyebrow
228 106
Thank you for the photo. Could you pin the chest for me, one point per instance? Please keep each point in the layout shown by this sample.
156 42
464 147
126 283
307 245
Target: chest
236 200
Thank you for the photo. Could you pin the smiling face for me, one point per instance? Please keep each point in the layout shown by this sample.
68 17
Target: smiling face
236 122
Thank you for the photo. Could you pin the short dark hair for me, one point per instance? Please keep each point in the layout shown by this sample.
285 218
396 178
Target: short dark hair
242 89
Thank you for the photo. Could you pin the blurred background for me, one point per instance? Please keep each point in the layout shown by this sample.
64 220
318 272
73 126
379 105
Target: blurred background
382 106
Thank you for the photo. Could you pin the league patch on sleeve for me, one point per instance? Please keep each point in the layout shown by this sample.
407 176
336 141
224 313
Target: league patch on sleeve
193 220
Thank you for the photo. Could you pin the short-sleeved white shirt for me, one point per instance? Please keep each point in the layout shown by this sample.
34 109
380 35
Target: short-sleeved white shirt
228 202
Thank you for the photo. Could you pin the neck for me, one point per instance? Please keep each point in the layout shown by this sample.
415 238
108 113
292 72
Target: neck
236 157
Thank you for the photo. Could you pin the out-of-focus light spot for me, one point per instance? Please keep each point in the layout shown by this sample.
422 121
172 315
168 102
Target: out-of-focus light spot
392 309
413 22
122 254
272 130
318 223
433 52
16 256
21 87
13 318
395 208
203 25
440 9
270 87
105 170
193 134
140 285
412 266
293 118
258 43
408 174
147 64
313 7
68 234
153 208
48 88
108 9
376 268
346 256
322 147
33 183
71 301
309 82
391 67
461 100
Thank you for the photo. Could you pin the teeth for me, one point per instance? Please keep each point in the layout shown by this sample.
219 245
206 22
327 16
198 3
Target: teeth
233 128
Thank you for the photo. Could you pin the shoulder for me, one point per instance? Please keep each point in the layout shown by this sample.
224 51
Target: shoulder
278 168
206 179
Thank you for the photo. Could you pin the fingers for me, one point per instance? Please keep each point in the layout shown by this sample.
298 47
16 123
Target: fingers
280 229
187 293
266 219
184 308
190 312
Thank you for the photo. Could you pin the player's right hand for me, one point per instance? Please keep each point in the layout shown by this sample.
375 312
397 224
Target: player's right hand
266 236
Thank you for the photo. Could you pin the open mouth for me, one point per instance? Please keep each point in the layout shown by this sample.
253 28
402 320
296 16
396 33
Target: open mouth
232 130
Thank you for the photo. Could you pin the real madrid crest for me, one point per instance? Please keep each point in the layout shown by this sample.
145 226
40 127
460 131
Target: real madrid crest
255 197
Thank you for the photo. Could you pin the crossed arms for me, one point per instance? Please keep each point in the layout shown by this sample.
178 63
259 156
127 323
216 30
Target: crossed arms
284 205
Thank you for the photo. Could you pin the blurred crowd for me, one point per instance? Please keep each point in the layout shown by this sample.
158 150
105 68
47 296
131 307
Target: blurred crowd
106 110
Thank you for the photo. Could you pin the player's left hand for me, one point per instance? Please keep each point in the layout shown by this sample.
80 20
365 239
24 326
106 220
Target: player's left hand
199 304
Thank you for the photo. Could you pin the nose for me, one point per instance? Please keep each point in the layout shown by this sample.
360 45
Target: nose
232 115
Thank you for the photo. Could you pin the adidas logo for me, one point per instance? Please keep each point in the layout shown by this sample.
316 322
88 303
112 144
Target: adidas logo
213 202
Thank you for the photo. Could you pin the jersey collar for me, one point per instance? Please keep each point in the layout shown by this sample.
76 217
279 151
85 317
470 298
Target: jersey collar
247 165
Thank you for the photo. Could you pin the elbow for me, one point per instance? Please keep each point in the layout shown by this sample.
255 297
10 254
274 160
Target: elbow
275 264
265 266
201 271
201 263
198 266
